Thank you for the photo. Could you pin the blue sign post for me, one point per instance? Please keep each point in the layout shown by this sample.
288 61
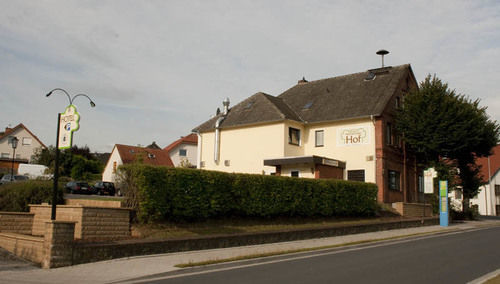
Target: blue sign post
443 203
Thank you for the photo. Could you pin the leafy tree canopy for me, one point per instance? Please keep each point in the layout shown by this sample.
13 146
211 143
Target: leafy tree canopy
438 123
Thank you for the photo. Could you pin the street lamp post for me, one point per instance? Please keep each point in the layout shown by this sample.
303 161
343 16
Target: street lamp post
13 141
56 165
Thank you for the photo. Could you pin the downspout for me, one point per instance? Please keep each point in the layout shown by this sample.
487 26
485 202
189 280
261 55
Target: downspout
217 139
489 187
225 103
198 152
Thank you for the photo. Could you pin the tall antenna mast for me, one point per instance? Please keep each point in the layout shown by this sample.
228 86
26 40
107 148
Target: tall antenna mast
382 52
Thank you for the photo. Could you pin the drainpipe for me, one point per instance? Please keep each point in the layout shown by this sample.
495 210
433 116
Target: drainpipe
198 152
489 187
217 139
225 103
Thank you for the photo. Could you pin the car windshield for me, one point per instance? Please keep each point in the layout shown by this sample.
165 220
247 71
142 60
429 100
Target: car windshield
82 184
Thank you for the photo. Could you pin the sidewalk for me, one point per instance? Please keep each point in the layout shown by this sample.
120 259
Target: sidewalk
129 268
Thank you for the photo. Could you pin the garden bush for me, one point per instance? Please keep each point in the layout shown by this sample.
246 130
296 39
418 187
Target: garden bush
16 196
161 193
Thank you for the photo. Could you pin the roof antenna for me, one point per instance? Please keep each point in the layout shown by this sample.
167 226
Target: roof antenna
382 52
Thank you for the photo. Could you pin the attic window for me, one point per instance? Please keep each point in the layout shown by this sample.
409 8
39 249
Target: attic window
308 105
151 156
370 76
249 105
131 150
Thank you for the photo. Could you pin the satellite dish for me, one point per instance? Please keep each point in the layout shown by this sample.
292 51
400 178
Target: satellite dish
382 52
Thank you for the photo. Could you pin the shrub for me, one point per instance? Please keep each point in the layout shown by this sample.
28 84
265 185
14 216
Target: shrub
16 196
161 193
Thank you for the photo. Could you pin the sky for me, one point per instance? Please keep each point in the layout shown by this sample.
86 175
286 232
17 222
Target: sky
158 69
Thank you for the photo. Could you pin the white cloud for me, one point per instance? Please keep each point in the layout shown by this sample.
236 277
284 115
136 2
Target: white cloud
156 69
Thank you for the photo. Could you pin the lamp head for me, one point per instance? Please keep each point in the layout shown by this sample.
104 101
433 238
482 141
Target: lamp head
92 104
14 142
50 93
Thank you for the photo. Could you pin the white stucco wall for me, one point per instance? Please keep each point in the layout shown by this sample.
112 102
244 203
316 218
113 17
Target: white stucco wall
246 148
354 154
23 151
108 173
486 199
191 154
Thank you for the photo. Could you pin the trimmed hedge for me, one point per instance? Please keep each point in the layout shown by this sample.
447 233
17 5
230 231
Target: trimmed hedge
162 193
16 196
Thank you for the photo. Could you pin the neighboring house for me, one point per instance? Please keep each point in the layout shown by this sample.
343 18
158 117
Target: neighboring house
27 145
488 199
183 152
339 127
124 154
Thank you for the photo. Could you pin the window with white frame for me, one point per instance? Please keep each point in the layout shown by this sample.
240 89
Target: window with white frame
5 155
183 152
26 141
319 138
294 173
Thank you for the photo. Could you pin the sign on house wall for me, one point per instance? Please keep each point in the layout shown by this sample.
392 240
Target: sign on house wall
353 136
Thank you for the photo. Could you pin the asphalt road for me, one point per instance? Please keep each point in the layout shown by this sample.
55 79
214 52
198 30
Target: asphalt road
453 258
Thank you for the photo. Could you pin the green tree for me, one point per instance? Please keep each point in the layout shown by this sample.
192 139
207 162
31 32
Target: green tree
77 162
440 125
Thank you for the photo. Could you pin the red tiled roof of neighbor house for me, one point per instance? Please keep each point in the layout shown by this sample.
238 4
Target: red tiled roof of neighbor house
156 157
189 139
494 165
8 131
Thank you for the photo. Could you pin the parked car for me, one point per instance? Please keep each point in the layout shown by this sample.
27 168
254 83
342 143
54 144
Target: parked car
17 178
78 187
104 187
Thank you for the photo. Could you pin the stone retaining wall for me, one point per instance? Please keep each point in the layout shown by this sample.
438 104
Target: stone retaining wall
28 247
91 252
413 209
94 203
16 222
92 223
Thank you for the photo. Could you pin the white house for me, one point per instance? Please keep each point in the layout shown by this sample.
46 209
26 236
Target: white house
488 199
124 154
183 151
27 145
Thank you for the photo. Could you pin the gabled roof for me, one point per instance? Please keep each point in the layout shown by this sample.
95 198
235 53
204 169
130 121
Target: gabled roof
9 131
189 139
494 165
259 108
153 146
156 157
345 97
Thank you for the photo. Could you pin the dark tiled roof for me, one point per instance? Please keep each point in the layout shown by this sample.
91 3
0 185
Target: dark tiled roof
345 97
156 157
258 108
332 99
189 139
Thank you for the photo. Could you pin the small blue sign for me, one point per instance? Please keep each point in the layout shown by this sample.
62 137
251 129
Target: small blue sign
443 203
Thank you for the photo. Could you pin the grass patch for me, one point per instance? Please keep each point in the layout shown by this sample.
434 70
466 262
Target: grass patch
170 230
277 253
